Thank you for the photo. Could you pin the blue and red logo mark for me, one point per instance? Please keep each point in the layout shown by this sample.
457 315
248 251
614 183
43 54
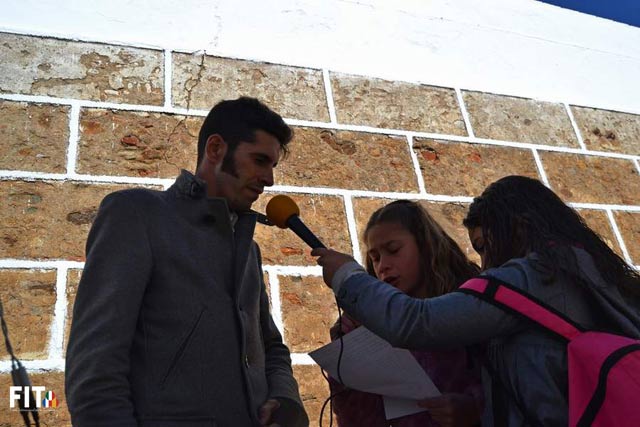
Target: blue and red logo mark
43 399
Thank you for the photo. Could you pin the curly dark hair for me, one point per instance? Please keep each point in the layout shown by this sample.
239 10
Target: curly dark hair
519 215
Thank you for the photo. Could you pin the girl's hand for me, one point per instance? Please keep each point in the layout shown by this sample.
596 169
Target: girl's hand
330 261
452 410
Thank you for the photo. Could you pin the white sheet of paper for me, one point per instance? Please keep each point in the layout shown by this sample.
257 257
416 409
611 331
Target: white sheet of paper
395 407
370 364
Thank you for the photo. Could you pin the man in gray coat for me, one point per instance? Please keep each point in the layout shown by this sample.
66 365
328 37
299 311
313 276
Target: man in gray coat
171 323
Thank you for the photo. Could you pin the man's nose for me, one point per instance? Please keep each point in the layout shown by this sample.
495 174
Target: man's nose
267 177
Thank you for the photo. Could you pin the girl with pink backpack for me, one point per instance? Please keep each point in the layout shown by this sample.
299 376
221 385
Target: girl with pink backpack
557 311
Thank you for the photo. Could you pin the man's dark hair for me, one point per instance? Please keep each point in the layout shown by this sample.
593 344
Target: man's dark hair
237 121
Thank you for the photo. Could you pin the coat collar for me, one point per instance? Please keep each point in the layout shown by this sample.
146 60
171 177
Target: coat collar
213 209
189 186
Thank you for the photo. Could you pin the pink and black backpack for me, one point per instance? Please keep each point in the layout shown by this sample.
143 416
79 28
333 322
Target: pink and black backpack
604 369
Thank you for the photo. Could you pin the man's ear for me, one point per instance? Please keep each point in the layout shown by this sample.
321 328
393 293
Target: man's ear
215 149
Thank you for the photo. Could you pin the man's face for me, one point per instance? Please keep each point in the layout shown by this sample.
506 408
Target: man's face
242 178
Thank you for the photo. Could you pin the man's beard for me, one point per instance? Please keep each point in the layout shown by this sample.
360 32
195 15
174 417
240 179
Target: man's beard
229 165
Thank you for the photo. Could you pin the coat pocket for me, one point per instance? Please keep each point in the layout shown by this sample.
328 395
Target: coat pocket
184 344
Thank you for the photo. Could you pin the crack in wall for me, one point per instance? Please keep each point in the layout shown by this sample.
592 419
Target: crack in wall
182 122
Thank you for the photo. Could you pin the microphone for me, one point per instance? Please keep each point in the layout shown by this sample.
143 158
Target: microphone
283 212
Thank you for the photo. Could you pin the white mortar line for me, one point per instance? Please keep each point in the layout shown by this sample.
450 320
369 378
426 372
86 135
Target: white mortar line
35 176
329 93
465 113
44 265
274 297
188 112
294 270
74 129
618 235
59 315
576 129
321 125
107 179
637 162
79 38
541 147
416 166
370 194
604 207
427 197
353 229
31 176
36 366
301 359
98 179
86 103
541 171
39 99
168 73
457 138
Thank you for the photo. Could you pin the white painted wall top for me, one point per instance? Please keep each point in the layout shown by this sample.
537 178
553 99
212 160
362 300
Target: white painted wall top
518 47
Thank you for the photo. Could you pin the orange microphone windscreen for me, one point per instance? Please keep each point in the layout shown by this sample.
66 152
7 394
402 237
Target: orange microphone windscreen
280 208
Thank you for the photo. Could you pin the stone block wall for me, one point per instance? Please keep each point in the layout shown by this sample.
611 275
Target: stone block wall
79 120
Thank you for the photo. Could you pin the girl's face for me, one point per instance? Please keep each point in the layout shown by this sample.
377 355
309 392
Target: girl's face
477 241
395 257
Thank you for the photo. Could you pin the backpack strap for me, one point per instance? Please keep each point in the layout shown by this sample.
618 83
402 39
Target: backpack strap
518 302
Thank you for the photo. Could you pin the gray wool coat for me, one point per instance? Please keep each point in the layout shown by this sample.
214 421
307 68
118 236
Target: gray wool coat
171 323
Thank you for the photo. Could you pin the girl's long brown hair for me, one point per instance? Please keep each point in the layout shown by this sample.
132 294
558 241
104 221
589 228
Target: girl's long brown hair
445 265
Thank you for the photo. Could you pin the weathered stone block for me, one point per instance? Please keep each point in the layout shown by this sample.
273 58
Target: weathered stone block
28 298
608 130
396 105
592 179
314 390
324 215
199 82
518 119
137 144
67 69
308 311
629 226
350 160
33 137
48 219
461 169
598 221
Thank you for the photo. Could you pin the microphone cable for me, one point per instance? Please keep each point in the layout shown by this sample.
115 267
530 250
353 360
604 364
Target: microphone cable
329 400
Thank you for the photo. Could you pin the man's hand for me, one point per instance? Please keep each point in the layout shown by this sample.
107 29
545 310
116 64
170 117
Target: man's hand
330 261
452 410
265 415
